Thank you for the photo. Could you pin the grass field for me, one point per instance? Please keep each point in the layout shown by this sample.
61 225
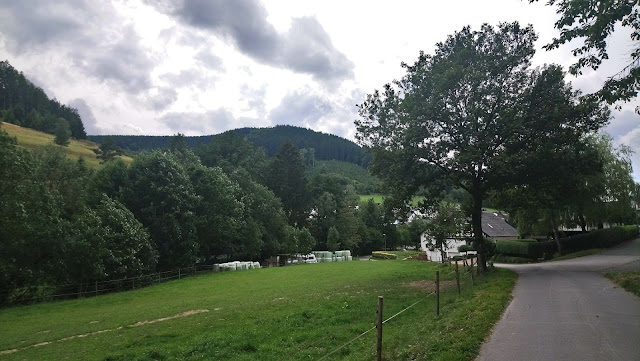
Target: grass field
296 312
629 280
32 139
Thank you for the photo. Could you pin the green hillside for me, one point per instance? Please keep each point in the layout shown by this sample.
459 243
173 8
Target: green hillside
364 182
33 139
327 146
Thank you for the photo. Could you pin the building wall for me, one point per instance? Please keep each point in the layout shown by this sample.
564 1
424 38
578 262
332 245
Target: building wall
435 255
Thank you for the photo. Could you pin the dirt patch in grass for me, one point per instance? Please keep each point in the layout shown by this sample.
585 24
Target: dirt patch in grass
183 314
430 285
139 323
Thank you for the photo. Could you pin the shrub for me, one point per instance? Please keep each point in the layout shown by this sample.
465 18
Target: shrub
383 255
601 238
512 248
542 249
465 248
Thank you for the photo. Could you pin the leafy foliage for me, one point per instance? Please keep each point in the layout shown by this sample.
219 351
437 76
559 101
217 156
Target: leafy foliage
287 179
593 22
464 116
22 103
108 150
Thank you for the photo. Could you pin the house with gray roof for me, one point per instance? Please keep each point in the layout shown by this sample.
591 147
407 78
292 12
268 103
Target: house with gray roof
496 227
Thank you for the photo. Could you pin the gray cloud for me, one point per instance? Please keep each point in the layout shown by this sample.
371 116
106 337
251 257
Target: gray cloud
28 24
163 99
622 123
209 59
90 33
305 48
191 78
88 119
210 122
124 62
300 109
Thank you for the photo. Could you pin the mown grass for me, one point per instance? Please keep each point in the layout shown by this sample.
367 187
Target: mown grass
297 312
33 139
405 254
629 280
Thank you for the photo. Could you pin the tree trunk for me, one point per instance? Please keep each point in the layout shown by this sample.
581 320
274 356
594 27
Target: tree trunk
476 225
583 223
556 235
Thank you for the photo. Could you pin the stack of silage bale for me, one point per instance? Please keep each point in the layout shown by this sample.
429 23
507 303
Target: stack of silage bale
337 256
238 266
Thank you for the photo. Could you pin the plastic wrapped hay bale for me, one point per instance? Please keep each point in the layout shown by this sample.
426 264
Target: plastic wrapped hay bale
346 253
349 258
232 267
256 265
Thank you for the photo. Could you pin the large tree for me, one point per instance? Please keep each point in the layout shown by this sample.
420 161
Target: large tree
456 115
288 181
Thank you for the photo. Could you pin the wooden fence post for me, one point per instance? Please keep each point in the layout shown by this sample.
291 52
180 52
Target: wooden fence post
379 347
458 278
437 293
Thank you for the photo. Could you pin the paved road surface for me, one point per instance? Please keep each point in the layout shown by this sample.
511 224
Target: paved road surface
566 310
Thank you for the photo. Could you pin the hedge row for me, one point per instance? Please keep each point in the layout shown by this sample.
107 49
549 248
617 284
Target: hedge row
601 238
383 255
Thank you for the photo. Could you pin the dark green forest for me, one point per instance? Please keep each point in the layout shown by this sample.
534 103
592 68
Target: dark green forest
24 104
326 146
62 222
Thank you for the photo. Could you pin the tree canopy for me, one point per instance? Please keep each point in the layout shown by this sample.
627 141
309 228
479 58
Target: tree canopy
593 22
463 114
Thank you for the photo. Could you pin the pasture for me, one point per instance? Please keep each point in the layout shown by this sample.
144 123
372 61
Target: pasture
294 312
34 139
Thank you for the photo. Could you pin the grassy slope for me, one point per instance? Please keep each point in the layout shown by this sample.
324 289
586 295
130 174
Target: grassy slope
269 314
32 139
629 280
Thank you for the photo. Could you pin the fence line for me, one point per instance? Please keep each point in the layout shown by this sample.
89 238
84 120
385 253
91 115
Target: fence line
469 270
94 288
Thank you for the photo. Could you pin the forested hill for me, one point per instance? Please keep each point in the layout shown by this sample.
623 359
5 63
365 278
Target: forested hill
327 146
24 104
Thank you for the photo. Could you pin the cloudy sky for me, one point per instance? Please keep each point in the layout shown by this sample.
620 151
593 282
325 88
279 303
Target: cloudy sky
205 66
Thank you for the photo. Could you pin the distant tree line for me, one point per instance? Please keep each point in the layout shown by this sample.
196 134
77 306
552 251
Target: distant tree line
24 104
63 222
325 146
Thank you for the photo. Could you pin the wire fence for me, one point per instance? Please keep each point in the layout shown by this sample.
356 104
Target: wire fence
45 293
468 269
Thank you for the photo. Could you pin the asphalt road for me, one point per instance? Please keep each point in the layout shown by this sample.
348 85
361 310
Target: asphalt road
566 310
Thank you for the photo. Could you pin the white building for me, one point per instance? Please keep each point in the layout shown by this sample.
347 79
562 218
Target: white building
494 227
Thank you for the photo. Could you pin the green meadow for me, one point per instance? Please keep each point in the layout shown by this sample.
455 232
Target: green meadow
295 312
34 139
